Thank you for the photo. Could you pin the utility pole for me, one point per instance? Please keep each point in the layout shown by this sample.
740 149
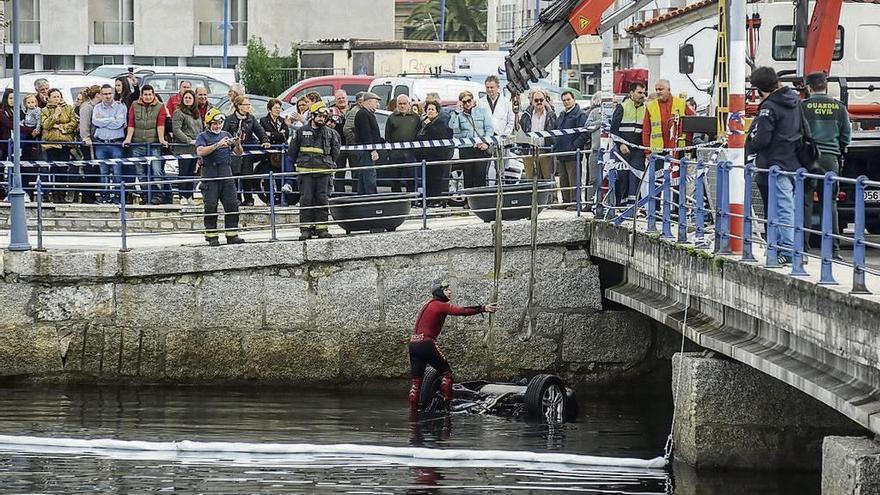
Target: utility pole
18 234
736 23
492 24
442 20
226 28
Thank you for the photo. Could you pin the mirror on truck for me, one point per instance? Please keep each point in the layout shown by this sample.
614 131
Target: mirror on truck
686 58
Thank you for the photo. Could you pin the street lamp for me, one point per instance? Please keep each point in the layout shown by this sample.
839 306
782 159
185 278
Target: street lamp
18 234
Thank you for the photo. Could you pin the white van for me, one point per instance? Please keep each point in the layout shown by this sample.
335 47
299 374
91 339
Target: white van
857 49
225 75
69 84
417 88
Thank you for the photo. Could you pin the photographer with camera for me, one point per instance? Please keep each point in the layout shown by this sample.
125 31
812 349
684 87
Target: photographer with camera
215 147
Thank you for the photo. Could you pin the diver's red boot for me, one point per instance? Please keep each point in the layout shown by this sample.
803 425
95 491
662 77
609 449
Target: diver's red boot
414 389
446 389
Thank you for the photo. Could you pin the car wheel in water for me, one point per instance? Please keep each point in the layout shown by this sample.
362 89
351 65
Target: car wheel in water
545 399
430 398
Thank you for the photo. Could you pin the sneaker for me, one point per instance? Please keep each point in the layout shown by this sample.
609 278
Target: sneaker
305 235
213 241
234 240
184 202
323 234
287 188
783 259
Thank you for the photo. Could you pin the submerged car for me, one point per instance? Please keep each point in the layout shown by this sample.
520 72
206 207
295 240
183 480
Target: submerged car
543 398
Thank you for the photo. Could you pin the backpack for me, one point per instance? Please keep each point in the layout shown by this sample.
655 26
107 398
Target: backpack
806 150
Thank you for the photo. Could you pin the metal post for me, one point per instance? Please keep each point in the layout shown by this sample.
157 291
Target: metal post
699 199
39 193
827 275
858 285
123 227
772 248
612 191
797 255
747 253
149 166
722 234
442 20
424 196
577 179
226 28
652 194
682 200
272 219
18 234
667 199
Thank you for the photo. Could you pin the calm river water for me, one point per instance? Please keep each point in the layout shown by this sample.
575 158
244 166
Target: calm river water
634 426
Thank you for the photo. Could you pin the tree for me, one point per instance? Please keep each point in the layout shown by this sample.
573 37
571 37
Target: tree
261 73
465 20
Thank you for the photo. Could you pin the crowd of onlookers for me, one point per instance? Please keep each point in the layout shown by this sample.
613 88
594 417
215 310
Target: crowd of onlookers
129 120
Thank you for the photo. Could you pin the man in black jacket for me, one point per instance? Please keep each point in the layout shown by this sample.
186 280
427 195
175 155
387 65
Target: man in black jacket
366 131
774 137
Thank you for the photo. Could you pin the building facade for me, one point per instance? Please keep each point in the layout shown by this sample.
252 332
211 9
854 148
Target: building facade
84 34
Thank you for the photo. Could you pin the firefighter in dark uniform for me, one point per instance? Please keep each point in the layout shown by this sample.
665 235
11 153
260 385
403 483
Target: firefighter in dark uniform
423 349
314 149
215 147
626 123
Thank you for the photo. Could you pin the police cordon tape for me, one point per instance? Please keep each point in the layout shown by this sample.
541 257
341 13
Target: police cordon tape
408 145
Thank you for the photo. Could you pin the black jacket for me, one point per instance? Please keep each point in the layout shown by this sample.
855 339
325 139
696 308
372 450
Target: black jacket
278 132
776 131
248 129
437 129
366 129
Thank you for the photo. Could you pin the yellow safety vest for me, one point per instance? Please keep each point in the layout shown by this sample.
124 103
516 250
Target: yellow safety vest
633 117
678 106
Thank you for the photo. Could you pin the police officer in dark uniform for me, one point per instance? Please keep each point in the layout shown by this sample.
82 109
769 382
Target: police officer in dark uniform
314 148
830 127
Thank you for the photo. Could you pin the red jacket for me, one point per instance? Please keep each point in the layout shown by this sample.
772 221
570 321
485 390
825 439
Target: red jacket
431 317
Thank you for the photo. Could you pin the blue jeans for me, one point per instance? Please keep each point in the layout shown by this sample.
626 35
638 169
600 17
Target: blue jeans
784 213
366 177
157 172
107 152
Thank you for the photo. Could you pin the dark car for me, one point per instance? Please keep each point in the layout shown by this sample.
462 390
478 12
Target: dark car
258 105
542 398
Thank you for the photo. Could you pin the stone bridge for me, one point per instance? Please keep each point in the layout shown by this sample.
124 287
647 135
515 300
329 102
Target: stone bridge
339 311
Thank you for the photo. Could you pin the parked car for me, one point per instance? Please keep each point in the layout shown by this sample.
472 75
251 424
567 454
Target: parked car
258 105
166 84
69 84
417 88
326 86
225 75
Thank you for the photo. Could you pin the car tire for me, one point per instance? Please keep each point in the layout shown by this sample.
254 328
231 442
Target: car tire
545 399
430 399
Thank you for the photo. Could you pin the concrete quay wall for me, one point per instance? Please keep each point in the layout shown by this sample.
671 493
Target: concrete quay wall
326 311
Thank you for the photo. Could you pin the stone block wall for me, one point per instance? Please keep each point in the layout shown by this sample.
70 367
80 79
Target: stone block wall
327 311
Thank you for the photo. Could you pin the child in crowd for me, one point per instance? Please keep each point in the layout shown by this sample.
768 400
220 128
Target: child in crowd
31 116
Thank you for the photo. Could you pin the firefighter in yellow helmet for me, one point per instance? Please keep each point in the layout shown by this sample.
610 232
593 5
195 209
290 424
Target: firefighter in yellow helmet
314 149
215 147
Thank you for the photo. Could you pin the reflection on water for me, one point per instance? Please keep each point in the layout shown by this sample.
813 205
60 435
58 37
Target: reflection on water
613 427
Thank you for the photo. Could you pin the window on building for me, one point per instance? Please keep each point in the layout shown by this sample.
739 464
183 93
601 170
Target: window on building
216 62
94 61
209 28
29 23
151 61
25 62
112 22
784 49
59 62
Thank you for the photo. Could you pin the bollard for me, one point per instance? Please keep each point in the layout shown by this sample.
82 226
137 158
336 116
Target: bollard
652 193
797 250
772 249
699 200
682 200
39 193
666 233
424 196
122 217
827 275
272 219
747 254
577 179
858 285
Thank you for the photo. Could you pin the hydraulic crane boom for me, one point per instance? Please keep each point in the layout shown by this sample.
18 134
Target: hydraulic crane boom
557 27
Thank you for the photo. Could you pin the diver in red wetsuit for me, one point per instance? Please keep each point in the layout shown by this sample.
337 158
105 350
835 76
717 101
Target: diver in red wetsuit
423 349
